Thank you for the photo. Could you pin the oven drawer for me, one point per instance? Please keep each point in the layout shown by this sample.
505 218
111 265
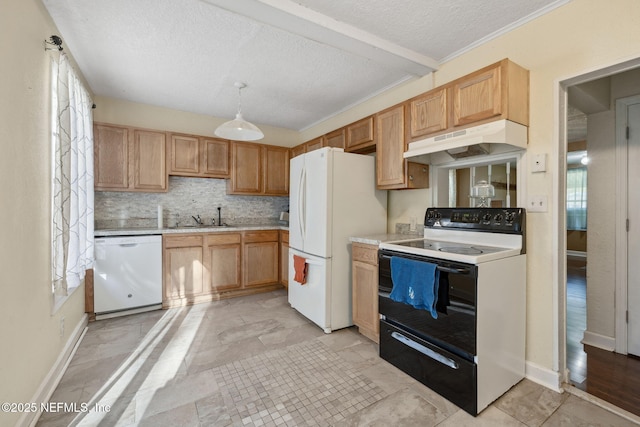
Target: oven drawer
449 375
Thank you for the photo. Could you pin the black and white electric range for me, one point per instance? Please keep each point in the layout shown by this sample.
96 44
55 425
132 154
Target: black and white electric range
466 340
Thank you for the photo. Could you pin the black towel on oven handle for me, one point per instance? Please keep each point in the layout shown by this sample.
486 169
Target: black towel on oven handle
443 292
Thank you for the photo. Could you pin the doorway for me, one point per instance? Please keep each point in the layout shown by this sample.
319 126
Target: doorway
609 372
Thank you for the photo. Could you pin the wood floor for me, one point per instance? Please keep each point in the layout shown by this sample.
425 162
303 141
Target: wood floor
610 376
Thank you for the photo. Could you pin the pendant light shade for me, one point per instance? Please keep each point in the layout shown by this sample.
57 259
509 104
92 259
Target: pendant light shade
239 129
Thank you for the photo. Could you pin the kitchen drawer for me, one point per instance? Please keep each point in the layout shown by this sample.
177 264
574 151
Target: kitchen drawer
183 241
223 239
260 236
365 253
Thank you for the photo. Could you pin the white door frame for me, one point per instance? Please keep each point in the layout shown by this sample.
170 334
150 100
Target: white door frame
621 220
560 207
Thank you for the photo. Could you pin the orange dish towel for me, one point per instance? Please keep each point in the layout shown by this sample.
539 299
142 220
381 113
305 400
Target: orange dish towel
300 268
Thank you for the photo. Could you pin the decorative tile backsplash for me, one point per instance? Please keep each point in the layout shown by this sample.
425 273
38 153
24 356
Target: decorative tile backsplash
186 197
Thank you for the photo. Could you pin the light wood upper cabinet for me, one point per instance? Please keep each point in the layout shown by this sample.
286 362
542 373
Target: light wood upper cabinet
129 159
276 170
222 261
335 138
214 155
191 155
315 144
259 169
498 91
360 136
246 168
184 155
390 146
427 113
111 157
393 171
149 154
298 150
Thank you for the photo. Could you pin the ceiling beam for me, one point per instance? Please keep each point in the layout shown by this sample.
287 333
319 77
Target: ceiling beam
294 18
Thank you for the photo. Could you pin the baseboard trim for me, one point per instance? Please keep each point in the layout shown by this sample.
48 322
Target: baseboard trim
599 341
51 381
543 376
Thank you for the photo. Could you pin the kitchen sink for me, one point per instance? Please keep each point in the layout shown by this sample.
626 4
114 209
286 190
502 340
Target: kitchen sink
204 226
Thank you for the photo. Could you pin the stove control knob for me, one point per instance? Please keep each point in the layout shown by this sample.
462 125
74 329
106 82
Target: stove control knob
486 217
498 218
509 216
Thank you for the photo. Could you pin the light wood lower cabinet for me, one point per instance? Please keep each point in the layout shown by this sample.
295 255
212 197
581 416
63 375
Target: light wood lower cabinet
222 261
260 256
365 290
183 272
284 258
200 267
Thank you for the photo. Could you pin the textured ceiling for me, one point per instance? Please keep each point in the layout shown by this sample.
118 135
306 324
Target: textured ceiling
303 61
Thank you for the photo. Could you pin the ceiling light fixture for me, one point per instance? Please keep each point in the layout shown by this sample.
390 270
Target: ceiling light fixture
239 129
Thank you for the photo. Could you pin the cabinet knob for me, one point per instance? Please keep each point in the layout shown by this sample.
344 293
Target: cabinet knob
410 177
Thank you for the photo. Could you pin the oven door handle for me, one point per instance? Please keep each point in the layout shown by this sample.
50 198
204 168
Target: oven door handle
441 268
453 270
424 350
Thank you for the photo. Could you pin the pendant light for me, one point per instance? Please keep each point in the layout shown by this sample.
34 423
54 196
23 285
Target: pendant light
239 129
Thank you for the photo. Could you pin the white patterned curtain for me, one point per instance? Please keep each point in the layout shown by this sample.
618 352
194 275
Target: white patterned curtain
72 201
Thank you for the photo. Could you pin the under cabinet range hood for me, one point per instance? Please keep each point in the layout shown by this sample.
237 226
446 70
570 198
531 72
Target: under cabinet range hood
473 141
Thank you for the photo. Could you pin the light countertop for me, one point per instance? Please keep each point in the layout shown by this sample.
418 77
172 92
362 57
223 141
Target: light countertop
376 239
180 230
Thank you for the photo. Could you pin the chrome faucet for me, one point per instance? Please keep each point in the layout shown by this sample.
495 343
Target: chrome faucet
197 219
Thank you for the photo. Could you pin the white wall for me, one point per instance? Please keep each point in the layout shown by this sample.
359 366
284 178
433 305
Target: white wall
29 332
118 111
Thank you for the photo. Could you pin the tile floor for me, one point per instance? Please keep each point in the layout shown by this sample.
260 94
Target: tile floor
253 361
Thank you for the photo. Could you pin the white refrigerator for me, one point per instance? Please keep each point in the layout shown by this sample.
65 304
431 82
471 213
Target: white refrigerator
333 196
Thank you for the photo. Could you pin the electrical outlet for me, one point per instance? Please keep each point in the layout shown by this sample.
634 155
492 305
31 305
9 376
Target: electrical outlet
537 204
62 327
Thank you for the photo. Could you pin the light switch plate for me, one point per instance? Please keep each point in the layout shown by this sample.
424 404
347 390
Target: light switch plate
537 204
539 163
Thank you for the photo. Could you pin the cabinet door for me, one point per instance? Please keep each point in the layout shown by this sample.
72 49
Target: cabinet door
149 154
111 157
246 168
298 149
390 146
260 263
215 157
335 138
276 170
477 96
361 136
284 258
260 258
315 144
183 273
428 113
365 296
184 155
222 262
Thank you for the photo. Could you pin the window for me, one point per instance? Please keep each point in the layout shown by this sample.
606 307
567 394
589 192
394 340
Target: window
577 198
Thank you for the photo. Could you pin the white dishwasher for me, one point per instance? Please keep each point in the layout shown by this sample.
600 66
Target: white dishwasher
127 274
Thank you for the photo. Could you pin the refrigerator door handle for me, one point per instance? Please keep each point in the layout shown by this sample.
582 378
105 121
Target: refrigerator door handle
302 204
